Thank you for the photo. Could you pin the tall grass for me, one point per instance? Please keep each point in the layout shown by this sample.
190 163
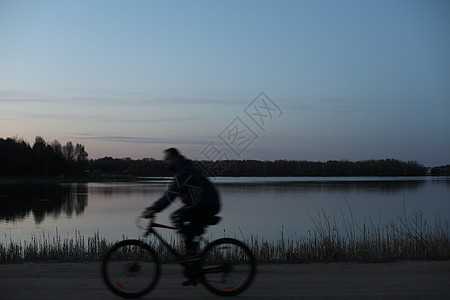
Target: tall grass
409 238
55 248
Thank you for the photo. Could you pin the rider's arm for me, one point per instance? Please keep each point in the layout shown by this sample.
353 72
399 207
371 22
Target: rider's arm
168 197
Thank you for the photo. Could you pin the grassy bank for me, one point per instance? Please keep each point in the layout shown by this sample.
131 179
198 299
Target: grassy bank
409 238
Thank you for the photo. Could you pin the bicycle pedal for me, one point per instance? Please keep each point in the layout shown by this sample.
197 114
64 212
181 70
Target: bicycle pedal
190 282
189 259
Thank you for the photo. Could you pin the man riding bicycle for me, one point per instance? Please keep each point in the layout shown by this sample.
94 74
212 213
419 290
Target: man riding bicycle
198 195
225 266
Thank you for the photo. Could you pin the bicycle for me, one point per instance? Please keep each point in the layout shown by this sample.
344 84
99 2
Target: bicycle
131 268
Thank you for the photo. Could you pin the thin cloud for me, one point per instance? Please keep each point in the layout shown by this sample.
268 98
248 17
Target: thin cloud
338 106
139 140
192 101
93 97
156 120
97 118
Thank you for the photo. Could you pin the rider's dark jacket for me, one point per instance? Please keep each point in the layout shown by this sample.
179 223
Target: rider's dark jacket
191 186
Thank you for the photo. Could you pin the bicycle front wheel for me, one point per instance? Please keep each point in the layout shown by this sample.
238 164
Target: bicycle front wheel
227 267
130 269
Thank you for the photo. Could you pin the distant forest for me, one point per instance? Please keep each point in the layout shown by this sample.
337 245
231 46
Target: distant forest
19 158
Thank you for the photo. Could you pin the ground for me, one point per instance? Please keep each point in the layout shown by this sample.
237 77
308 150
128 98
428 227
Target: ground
399 280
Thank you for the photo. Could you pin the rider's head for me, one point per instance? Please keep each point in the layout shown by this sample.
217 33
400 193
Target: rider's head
171 158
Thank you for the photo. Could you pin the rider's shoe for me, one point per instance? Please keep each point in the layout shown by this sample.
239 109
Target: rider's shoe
188 259
189 282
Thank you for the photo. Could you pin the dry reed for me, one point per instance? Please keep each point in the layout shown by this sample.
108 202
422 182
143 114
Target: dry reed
409 238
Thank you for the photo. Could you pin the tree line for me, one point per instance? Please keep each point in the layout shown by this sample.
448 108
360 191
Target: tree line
18 158
439 171
382 167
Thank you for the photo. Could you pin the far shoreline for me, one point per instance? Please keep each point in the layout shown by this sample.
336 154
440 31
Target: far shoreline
222 179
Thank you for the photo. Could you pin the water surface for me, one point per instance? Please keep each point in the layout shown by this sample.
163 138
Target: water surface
261 207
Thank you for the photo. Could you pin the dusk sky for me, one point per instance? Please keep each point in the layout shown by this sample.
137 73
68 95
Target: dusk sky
340 80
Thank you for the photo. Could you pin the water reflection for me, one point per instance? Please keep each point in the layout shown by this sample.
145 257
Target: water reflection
373 186
18 201
126 189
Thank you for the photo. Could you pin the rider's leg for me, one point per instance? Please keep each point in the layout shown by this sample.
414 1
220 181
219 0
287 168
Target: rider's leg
195 217
181 219
200 214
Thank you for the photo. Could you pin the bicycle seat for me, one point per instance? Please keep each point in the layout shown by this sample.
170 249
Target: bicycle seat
213 220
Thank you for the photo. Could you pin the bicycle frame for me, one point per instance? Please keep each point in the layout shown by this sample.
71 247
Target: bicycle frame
151 230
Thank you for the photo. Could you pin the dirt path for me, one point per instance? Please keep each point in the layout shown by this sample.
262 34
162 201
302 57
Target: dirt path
406 280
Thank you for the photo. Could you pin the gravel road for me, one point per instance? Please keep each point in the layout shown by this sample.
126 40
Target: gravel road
399 280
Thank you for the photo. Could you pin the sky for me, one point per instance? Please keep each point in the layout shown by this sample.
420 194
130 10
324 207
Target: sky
266 80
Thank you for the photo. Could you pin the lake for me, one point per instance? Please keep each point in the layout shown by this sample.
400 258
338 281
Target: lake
261 207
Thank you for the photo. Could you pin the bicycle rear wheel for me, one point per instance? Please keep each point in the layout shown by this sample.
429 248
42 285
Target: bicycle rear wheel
130 269
227 267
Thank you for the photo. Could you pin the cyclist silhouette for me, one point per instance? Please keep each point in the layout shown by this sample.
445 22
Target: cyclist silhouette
199 197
